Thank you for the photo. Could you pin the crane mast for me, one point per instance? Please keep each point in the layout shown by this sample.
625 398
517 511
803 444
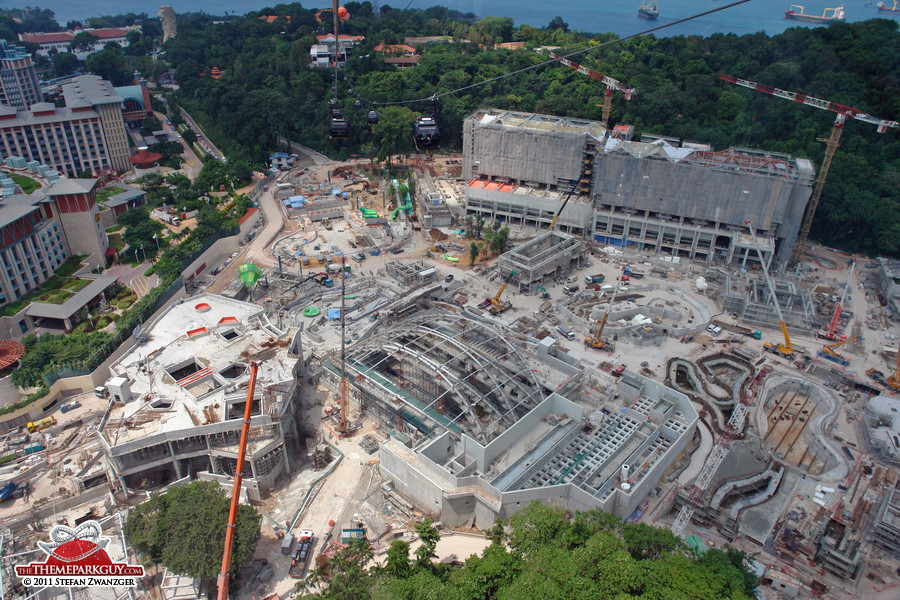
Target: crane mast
831 143
832 326
611 84
597 341
786 349
225 573
343 423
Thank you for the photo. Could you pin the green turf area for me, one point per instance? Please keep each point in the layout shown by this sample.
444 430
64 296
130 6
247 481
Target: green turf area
8 310
72 264
116 241
27 184
114 228
104 194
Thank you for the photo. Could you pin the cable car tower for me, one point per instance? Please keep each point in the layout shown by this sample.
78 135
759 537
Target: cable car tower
831 142
611 84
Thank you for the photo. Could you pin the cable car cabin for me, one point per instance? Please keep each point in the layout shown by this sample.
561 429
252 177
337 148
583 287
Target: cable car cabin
372 117
339 128
426 134
357 104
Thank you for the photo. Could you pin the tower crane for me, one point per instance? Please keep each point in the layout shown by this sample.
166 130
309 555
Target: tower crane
344 428
831 142
611 85
597 340
786 349
832 326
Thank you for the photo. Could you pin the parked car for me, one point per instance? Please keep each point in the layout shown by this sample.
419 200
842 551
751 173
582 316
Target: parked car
448 278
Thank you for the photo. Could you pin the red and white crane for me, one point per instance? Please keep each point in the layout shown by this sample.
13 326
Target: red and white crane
830 334
611 84
831 143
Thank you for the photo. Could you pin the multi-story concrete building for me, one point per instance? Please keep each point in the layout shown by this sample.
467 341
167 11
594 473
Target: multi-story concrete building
70 140
99 94
32 246
659 195
19 85
60 40
180 394
39 231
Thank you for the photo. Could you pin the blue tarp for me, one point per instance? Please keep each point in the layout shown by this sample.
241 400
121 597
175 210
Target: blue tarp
334 314
336 192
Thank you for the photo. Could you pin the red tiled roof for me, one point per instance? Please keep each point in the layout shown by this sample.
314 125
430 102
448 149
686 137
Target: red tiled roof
109 33
273 18
382 47
402 60
46 38
352 38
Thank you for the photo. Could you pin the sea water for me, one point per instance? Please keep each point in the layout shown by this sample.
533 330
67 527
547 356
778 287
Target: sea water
595 16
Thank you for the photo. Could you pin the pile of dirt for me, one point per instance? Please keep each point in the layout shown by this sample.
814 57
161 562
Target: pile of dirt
437 235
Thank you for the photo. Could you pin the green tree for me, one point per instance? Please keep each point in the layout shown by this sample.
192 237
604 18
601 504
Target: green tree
430 536
474 251
185 529
643 541
64 64
83 42
397 564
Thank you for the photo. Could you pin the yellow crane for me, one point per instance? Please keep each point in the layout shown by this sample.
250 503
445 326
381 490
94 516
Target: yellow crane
597 340
495 305
786 349
894 380
829 353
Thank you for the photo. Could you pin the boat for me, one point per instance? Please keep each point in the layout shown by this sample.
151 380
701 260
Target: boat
649 9
835 14
882 7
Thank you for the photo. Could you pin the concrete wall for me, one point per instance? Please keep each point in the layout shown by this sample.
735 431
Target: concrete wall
772 204
85 235
519 153
530 208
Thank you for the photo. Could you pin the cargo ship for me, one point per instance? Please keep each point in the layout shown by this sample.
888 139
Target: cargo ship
649 10
882 7
830 15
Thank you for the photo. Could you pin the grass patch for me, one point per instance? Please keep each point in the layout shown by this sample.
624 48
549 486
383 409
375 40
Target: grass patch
27 184
72 264
116 241
104 194
76 285
124 299
8 310
114 228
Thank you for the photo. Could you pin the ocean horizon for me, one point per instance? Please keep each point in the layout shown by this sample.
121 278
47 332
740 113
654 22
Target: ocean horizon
602 16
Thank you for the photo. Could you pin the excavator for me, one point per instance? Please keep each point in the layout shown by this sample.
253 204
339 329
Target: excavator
495 305
828 352
597 340
829 334
785 350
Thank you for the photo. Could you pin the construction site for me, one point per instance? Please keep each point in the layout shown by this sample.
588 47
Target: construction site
644 344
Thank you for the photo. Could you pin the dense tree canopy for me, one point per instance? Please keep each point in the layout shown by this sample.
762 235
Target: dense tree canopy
269 92
544 553
184 529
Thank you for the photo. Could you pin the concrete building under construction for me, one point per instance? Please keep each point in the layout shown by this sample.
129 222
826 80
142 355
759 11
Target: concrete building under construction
179 397
659 195
475 434
540 260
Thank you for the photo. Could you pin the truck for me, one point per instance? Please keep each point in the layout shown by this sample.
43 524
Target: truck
13 490
631 272
300 555
589 279
41 425
565 331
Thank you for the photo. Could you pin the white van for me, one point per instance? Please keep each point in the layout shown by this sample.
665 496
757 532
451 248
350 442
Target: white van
714 329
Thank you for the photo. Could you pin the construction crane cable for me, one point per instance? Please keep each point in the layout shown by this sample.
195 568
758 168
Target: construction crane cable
550 61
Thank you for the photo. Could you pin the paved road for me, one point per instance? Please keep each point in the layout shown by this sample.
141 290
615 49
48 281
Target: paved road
257 251
135 278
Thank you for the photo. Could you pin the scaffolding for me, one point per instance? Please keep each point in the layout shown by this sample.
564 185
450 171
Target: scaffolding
438 372
547 257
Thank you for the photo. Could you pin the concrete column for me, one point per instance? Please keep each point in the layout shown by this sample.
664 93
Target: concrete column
174 460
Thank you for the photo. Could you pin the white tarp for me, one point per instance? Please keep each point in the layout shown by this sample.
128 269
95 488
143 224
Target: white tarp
701 284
